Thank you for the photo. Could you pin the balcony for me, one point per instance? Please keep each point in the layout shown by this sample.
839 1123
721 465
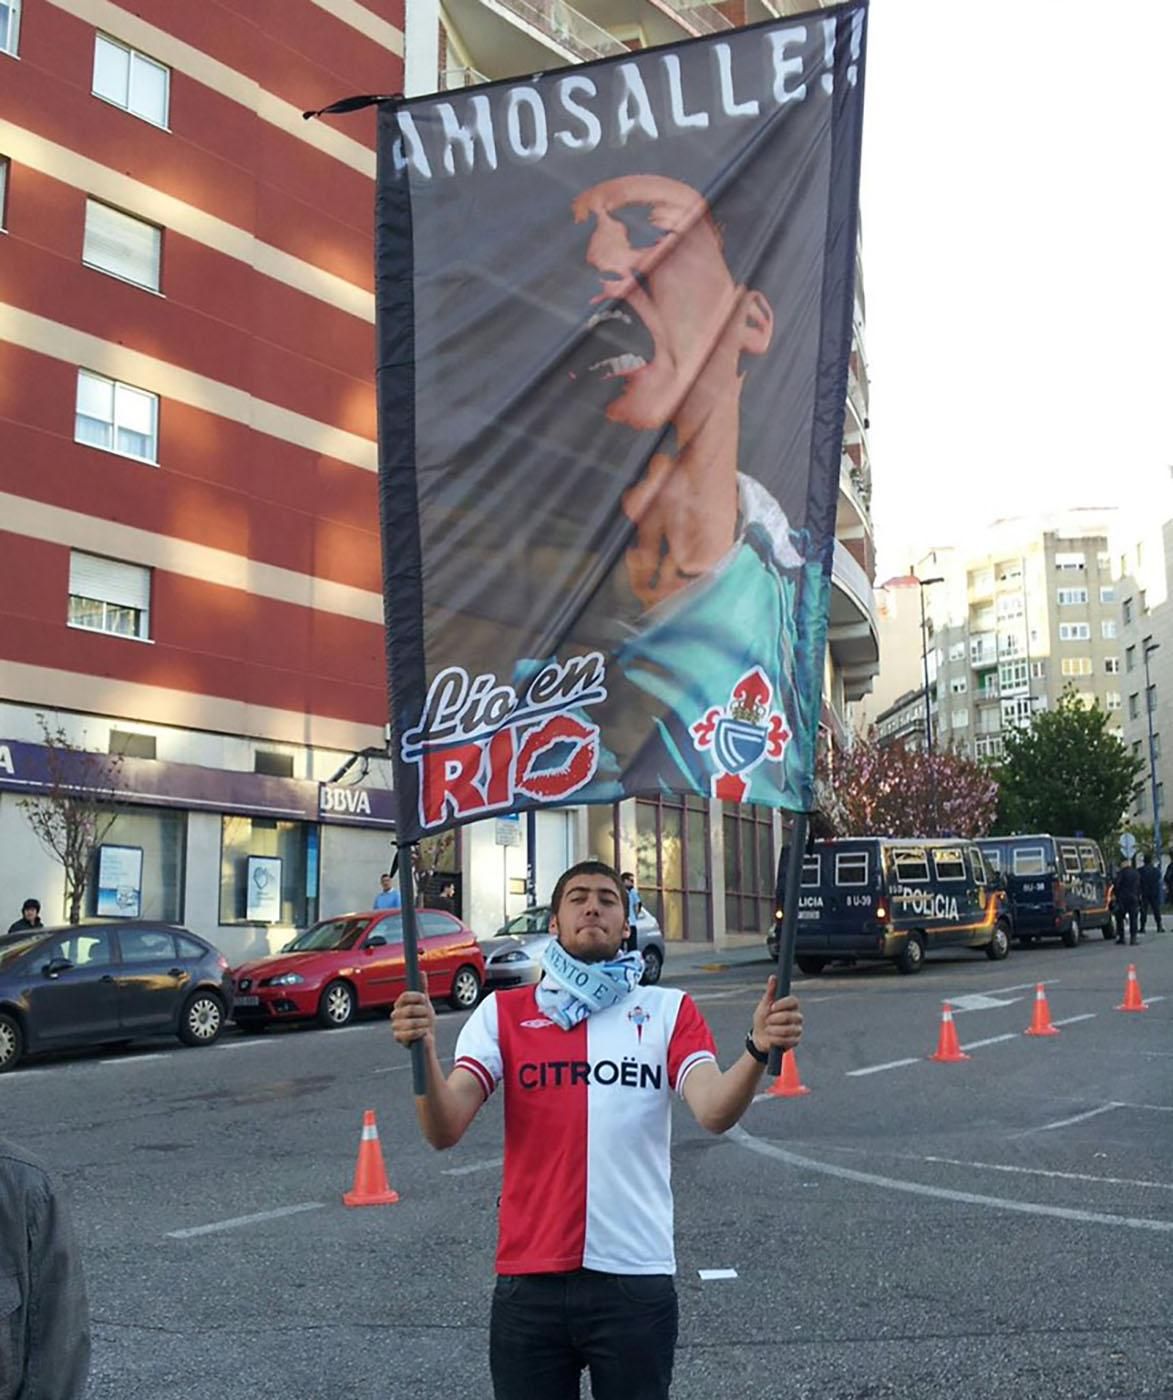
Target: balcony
697 18
504 38
852 636
451 79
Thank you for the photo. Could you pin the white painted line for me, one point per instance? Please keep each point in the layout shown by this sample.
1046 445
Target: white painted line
250 1044
708 1275
1150 1107
489 1164
1151 1001
1071 1020
1061 1176
243 1220
877 1069
915 1188
980 1001
1025 986
131 1059
990 1040
1078 1118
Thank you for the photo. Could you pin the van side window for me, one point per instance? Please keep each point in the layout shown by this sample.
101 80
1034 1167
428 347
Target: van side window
851 868
1070 860
979 866
912 866
993 858
949 864
1093 862
1028 860
811 870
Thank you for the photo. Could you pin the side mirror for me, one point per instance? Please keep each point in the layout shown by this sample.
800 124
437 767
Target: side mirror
55 966
376 940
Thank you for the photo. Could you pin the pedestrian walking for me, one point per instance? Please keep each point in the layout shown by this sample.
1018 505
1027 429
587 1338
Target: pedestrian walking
1127 899
30 917
388 896
589 1060
634 909
1169 880
45 1339
1150 893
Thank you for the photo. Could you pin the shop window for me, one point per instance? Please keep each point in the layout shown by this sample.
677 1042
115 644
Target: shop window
268 872
750 871
672 864
160 833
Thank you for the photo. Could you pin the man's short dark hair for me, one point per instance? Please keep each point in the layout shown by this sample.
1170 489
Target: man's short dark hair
627 875
585 867
31 904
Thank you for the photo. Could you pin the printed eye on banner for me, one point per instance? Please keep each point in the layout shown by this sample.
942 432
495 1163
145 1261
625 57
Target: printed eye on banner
614 323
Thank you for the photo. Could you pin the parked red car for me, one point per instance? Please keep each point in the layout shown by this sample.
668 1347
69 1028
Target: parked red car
353 963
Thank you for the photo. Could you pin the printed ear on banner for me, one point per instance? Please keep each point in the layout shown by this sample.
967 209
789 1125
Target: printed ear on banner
742 735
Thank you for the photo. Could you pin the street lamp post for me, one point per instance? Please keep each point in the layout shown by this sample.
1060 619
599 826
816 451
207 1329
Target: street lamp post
1149 647
922 584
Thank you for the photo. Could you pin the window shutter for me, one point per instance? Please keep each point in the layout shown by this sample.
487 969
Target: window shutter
109 581
122 245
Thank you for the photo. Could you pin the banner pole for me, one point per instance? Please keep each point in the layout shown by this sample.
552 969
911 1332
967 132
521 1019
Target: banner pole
411 957
789 933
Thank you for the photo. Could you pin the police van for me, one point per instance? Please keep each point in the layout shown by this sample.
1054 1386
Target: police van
1056 886
880 898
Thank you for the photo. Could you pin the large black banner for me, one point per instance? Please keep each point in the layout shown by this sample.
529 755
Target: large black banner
614 320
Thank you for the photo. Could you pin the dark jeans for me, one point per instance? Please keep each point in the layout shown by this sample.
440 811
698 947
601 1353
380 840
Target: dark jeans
1121 911
632 943
547 1327
1147 907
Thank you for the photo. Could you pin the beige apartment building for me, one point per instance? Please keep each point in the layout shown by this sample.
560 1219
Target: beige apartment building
1035 610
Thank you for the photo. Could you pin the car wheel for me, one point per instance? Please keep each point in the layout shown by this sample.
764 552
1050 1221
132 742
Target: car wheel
1108 931
912 955
202 1019
466 989
811 966
1074 933
653 966
999 944
337 1006
11 1042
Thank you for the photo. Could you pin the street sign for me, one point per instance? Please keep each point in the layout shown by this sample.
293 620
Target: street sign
1128 845
508 831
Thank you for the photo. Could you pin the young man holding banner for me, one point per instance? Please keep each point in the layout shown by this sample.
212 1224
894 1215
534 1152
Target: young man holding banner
588 1060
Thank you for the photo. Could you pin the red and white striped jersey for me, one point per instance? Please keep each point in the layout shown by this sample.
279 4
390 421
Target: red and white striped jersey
587 1127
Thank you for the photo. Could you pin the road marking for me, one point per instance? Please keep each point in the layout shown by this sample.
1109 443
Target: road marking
243 1220
1025 986
1149 1001
1071 1020
489 1164
876 1069
979 1001
131 1059
708 1275
1078 1118
1062 1176
915 1188
1151 1107
989 1040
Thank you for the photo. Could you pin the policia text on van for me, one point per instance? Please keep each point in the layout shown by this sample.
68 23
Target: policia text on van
873 897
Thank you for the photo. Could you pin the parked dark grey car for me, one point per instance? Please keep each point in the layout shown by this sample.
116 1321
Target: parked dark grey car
87 984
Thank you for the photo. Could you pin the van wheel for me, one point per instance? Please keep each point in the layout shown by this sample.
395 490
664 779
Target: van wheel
999 944
811 966
1074 933
912 955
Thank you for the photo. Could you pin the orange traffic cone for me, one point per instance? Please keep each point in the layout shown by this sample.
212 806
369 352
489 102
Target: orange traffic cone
788 1085
370 1176
1040 1021
949 1051
1132 998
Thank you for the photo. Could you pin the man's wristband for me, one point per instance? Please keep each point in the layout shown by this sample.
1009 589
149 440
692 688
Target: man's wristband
762 1056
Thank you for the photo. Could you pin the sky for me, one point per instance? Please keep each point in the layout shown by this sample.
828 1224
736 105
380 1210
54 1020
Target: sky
1018 262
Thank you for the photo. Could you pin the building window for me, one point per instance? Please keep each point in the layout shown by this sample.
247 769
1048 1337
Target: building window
108 596
1069 561
9 26
1072 597
1103 561
122 245
130 80
1016 712
1076 666
1111 665
1107 594
1134 706
1126 608
3 193
1130 659
958 686
1038 670
273 765
750 871
1012 677
960 719
672 864
1151 693
161 836
122 741
117 417
1010 606
294 844
1108 630
990 747
1075 631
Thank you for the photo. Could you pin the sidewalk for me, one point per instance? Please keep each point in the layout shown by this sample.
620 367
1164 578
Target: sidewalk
685 959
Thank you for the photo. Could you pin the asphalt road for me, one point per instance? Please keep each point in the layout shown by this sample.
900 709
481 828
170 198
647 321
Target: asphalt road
998 1228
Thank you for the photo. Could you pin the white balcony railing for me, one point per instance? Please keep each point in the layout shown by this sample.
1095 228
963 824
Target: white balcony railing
453 78
707 18
567 27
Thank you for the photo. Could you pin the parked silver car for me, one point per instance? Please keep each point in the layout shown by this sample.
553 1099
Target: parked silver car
513 958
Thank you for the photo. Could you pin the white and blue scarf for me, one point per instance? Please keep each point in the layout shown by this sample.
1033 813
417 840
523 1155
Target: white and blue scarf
570 990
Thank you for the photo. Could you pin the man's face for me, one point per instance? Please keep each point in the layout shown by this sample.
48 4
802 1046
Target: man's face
591 919
672 323
385 881
29 913
629 882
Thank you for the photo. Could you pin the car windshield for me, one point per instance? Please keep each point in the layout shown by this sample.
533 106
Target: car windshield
329 934
532 921
9 952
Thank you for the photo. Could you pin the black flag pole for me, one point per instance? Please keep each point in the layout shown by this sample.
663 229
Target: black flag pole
793 857
411 957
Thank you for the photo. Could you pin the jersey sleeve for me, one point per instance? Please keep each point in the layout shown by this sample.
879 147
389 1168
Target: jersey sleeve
691 1043
478 1047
